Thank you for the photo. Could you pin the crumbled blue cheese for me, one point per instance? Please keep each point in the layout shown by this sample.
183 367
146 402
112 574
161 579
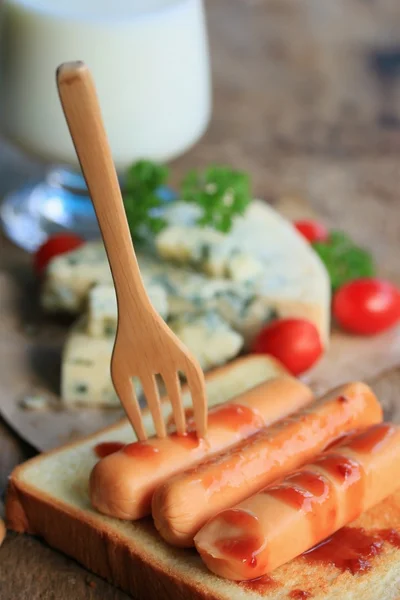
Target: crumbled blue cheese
85 375
208 337
181 289
35 402
86 380
209 251
70 276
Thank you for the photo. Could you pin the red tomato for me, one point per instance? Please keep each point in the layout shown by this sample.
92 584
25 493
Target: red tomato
313 231
60 243
295 342
367 306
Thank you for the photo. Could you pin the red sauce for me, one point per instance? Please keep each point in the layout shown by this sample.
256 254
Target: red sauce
372 439
244 545
299 595
311 493
301 490
350 475
141 450
341 440
243 548
237 517
106 448
260 585
341 467
235 417
390 535
343 400
350 549
313 482
187 440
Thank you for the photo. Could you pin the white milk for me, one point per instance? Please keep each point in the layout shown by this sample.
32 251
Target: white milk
149 59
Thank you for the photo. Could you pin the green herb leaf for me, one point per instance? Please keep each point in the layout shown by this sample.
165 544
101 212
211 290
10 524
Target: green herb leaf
220 192
141 200
344 260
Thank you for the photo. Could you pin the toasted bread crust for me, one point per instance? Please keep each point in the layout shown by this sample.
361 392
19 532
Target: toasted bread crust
16 516
99 550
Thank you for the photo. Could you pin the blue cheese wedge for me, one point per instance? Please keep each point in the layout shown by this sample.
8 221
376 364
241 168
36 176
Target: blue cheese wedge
208 337
102 307
292 281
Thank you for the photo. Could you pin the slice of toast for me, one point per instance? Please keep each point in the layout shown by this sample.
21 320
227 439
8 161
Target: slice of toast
48 496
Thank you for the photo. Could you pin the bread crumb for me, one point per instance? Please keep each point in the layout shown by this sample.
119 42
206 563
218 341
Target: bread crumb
2 531
35 403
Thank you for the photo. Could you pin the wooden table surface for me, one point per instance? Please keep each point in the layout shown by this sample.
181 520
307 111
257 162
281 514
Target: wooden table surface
307 99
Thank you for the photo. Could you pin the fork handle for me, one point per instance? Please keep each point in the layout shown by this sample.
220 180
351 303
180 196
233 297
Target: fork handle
83 115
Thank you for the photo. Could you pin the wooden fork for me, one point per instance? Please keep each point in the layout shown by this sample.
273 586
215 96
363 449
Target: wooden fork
144 344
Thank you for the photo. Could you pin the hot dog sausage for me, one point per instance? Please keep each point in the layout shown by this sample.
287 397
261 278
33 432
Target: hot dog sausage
283 521
186 501
122 484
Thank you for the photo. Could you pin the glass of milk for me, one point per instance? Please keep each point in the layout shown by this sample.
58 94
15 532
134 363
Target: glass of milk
149 60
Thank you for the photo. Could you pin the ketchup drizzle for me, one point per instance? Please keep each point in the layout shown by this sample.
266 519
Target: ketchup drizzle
343 399
343 468
353 549
299 595
341 440
245 544
351 477
235 417
310 492
241 548
106 448
372 439
142 450
188 440
302 490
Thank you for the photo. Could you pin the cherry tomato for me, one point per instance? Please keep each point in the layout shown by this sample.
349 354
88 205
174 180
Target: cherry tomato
313 231
367 306
295 342
60 243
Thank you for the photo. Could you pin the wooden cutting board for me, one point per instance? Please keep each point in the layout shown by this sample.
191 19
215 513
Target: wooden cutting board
30 361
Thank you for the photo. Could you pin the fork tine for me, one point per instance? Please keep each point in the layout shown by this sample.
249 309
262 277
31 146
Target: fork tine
197 386
173 387
152 395
126 393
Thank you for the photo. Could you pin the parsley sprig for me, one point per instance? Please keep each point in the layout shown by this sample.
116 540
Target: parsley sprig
343 259
142 200
220 192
